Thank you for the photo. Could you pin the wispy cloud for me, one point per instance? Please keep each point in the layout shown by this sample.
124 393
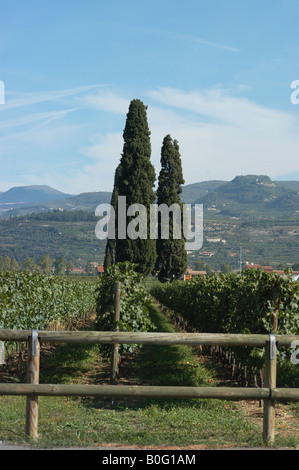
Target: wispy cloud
42 118
218 104
205 42
25 99
191 39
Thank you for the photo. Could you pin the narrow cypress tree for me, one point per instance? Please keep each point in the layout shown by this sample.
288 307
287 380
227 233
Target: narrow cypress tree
172 258
135 180
110 251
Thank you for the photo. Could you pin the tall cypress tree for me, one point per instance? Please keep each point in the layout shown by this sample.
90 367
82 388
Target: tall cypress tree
135 179
172 257
110 251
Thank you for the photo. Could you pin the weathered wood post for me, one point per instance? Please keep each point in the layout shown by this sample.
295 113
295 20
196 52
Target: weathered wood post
33 378
115 347
270 373
269 382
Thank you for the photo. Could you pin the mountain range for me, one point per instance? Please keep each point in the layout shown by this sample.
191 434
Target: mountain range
245 196
30 195
22 200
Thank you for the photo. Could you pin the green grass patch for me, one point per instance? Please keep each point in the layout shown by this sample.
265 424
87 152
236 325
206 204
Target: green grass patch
170 364
69 422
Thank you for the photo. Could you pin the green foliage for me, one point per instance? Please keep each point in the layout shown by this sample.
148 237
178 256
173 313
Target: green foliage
110 250
134 301
135 179
235 303
172 259
8 264
60 265
34 301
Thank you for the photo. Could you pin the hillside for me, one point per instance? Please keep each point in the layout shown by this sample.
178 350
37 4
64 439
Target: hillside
16 200
70 234
34 194
246 196
196 191
252 211
252 196
84 201
292 185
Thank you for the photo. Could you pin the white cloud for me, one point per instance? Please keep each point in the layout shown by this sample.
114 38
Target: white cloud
221 136
105 101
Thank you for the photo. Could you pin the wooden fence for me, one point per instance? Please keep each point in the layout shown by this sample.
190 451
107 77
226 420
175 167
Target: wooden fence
33 389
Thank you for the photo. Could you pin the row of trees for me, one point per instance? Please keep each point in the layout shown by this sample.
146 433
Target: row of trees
135 179
10 264
44 265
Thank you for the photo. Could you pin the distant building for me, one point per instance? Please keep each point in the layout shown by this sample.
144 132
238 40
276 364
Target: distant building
79 271
190 273
207 253
269 269
100 270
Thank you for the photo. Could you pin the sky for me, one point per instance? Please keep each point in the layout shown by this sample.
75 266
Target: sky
216 75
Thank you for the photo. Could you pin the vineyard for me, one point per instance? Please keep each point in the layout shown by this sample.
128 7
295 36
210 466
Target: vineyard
35 301
254 302
38 301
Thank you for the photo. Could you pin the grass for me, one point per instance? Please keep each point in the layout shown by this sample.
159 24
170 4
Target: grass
69 422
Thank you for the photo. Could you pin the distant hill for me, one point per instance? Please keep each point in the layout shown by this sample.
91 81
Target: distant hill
84 201
194 192
34 194
31 199
245 196
252 196
292 185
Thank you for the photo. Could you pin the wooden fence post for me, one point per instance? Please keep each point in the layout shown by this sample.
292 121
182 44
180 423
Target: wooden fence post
115 347
33 378
269 382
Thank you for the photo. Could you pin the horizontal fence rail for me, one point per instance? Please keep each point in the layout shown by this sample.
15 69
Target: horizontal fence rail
111 337
139 391
236 393
33 389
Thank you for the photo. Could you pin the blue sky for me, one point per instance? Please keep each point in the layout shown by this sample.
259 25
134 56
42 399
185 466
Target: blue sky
215 75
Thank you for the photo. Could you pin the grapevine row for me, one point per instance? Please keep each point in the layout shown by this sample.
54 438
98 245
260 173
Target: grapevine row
235 303
35 301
